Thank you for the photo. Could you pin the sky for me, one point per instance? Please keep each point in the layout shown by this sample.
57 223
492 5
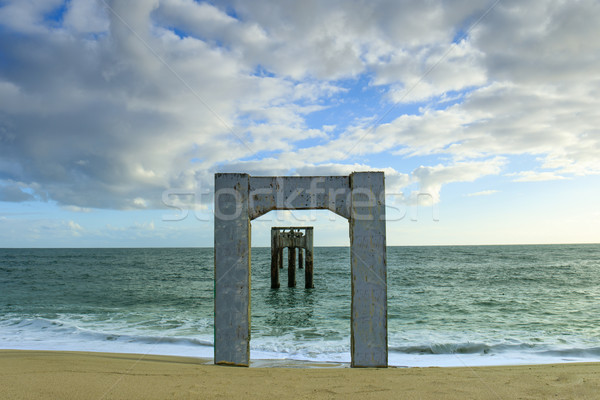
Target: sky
115 115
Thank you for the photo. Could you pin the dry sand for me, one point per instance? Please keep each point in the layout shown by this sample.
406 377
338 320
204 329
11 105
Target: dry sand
76 375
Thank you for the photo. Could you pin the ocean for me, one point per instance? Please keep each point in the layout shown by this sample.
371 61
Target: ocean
447 305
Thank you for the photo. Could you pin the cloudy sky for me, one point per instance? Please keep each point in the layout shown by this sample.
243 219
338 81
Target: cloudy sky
115 115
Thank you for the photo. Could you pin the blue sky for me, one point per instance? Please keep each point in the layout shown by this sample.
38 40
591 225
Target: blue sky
115 115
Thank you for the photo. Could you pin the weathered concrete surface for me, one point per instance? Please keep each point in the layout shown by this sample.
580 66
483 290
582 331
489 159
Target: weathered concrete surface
368 265
232 270
359 197
299 193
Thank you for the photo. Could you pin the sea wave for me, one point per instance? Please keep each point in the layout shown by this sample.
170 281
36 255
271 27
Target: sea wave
56 334
38 333
484 349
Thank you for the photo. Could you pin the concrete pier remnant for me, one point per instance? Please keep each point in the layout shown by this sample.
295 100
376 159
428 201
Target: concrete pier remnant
294 238
359 197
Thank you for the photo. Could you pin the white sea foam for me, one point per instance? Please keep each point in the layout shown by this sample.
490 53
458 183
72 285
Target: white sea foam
53 334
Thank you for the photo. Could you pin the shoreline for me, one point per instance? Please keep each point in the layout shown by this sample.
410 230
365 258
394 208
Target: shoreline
91 375
262 359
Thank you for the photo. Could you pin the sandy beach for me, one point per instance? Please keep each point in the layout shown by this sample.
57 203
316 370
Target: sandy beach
78 375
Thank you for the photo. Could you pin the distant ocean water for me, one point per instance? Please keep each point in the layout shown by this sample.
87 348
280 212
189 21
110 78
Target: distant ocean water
447 305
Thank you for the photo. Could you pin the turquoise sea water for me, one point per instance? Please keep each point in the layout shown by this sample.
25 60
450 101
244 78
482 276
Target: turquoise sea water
447 305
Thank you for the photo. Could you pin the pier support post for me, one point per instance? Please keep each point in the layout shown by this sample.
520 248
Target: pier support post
280 261
232 270
291 267
308 270
300 260
274 259
368 267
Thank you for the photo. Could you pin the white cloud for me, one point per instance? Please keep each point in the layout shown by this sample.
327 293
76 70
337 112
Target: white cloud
135 227
541 42
77 209
27 16
482 193
108 109
86 17
431 179
433 72
139 202
75 228
536 176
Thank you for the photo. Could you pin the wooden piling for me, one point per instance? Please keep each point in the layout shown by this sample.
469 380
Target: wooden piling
291 267
292 238
280 256
308 270
275 250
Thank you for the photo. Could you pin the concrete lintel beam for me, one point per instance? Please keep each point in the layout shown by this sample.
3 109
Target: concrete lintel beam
299 193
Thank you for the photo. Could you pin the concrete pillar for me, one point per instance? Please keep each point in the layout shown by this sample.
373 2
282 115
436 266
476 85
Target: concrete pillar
300 260
232 270
368 268
274 259
308 270
291 267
